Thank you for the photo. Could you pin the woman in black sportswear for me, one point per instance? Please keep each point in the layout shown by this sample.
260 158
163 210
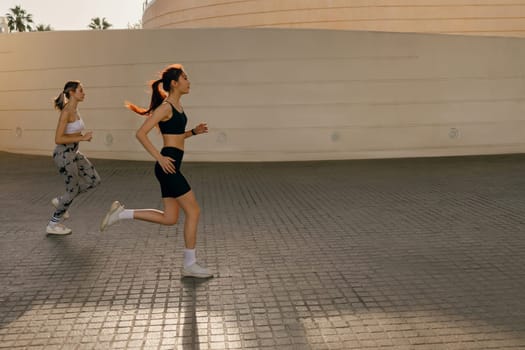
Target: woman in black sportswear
166 112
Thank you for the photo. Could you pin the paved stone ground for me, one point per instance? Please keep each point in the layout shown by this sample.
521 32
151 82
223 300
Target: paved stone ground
369 254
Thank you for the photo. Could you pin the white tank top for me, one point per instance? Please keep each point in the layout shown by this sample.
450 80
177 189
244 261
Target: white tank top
75 127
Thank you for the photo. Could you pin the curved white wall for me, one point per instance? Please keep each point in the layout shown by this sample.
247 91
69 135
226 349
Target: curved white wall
469 17
274 94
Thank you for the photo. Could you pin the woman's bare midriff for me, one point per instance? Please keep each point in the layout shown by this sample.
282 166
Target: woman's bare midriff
176 141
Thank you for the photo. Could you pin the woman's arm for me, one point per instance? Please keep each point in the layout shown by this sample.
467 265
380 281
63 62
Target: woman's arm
159 114
199 129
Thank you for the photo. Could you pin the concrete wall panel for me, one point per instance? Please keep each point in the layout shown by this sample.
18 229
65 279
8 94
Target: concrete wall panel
274 94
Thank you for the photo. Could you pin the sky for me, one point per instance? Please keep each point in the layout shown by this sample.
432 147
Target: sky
77 14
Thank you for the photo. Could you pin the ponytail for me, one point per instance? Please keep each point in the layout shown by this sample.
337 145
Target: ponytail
60 101
157 96
158 93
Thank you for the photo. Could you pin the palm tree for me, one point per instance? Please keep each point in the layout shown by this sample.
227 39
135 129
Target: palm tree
43 28
98 23
19 20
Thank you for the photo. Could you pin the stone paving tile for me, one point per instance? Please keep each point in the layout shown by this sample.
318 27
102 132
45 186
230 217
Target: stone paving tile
369 254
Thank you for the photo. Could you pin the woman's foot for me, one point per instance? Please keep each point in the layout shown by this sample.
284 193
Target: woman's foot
195 270
112 215
57 229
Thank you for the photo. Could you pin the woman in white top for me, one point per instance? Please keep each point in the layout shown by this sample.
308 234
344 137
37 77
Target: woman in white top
78 172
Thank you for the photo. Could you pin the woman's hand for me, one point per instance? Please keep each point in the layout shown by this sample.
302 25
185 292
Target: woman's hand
167 164
201 128
87 136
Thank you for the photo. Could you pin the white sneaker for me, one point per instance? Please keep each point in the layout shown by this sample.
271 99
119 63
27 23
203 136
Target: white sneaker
57 229
112 215
196 270
54 202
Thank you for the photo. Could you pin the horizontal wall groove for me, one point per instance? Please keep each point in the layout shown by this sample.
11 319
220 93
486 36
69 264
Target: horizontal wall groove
352 127
350 20
306 9
379 20
292 83
311 104
219 60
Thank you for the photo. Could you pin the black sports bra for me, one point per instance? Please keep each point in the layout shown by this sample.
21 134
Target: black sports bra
176 125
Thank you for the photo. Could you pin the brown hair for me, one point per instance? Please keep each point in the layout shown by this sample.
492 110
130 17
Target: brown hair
172 72
60 101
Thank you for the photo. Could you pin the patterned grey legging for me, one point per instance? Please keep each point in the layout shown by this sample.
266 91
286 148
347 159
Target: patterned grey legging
78 172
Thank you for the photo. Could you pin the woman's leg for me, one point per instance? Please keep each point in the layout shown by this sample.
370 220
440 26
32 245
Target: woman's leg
169 216
87 172
192 211
68 169
65 161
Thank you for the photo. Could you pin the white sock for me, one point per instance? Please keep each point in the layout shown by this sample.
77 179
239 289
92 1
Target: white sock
125 214
189 257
